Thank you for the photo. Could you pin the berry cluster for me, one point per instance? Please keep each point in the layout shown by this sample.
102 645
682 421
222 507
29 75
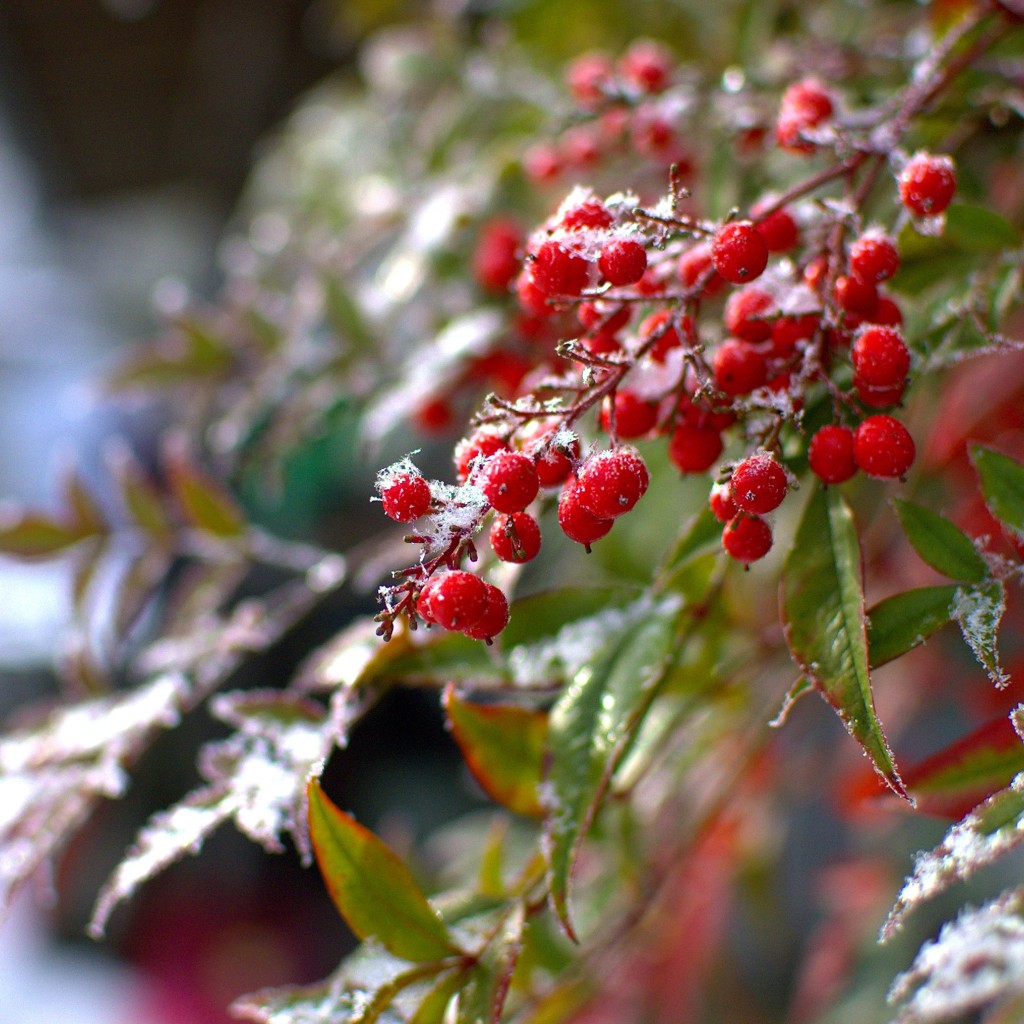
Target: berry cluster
707 334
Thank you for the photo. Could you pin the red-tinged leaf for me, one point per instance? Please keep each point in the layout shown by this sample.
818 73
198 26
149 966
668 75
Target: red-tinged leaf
822 602
141 500
204 502
33 535
504 748
372 887
190 355
482 998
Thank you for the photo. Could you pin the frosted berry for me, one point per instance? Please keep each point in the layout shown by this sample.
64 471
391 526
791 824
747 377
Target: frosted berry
515 537
532 298
586 213
747 538
661 327
883 447
746 314
458 599
694 449
778 230
805 104
555 464
477 446
423 602
609 317
578 523
879 398
509 481
855 295
830 454
739 252
927 184
694 264
874 257
634 417
622 261
589 76
759 484
557 270
496 257
494 618
887 313
723 508
406 496
612 482
738 367
880 358
789 331
647 65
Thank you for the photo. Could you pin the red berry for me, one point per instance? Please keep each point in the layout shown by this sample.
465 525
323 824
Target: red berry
927 184
496 257
457 600
694 449
555 465
739 252
883 447
633 416
479 445
738 367
830 454
532 297
855 295
661 327
745 313
515 537
608 316
542 163
874 257
787 331
759 484
778 230
622 261
747 538
589 78
580 146
805 104
880 358
612 482
434 416
887 313
694 264
587 213
578 523
509 481
878 398
723 508
494 618
647 65
557 270
406 496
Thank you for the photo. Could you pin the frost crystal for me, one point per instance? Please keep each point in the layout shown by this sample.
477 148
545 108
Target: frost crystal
979 611
987 833
977 960
256 776
51 775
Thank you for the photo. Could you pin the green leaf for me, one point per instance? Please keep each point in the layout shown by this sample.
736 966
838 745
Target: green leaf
978 229
541 617
902 622
445 657
33 535
1002 483
979 611
825 625
203 501
593 723
700 532
435 1002
940 543
371 886
482 999
504 748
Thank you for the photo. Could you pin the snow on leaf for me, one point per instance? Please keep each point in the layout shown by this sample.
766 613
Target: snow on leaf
977 961
52 774
987 833
257 776
978 610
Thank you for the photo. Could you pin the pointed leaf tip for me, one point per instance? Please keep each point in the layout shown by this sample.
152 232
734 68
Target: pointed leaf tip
372 887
